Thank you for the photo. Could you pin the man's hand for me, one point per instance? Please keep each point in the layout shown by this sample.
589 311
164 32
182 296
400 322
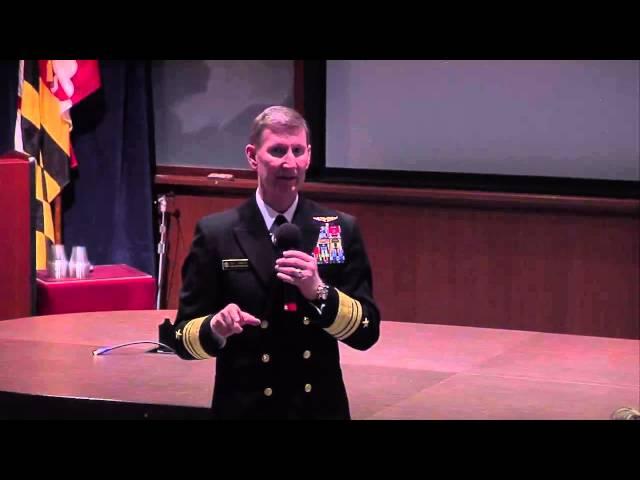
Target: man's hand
299 269
231 319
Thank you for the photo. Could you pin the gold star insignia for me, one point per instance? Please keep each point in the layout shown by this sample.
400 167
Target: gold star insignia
178 334
365 322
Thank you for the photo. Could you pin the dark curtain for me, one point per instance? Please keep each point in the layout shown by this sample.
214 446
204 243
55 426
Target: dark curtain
8 103
108 205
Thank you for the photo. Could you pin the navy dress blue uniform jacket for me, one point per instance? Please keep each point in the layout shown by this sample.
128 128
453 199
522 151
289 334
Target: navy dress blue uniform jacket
289 366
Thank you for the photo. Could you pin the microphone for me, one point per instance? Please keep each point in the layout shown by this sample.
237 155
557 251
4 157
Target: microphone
289 237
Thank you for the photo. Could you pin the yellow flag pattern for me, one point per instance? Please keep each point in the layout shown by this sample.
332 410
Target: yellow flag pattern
43 133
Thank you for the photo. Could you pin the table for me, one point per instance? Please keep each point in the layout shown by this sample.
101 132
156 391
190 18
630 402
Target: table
108 287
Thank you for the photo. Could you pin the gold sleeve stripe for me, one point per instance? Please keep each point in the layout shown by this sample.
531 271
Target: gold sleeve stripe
186 340
357 316
342 316
348 318
349 313
191 338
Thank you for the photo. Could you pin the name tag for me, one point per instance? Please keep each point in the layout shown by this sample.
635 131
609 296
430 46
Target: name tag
235 264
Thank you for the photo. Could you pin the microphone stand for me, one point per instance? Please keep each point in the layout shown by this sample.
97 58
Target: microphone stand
162 206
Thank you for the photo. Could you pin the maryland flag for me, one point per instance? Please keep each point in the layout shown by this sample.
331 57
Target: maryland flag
47 89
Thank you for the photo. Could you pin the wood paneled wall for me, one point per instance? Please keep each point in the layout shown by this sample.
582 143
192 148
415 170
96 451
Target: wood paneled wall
515 261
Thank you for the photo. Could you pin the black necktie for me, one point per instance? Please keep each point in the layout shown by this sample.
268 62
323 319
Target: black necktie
280 219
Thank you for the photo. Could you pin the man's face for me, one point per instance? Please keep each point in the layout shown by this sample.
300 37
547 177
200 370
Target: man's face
281 162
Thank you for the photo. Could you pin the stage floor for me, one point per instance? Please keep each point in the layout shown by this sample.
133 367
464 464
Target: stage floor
415 371
444 372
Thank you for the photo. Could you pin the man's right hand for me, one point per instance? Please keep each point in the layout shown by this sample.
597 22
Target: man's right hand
231 319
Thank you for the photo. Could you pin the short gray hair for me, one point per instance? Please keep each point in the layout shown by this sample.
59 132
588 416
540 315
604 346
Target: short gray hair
278 119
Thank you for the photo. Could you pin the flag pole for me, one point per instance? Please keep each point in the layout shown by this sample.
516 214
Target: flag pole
57 219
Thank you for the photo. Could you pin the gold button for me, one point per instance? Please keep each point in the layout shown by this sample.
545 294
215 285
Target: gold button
305 320
264 324
307 387
306 354
265 358
268 392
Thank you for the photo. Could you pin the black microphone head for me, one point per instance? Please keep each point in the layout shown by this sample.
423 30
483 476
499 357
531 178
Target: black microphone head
288 237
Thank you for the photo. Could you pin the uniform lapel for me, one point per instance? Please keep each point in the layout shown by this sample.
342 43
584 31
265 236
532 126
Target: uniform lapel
253 237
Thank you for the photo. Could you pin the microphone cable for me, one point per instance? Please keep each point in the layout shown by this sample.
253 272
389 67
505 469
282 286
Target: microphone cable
103 350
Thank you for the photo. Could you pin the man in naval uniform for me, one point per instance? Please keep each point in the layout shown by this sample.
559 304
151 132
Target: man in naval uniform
273 319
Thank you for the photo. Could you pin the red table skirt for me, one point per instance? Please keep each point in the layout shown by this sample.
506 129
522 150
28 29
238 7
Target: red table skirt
109 287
